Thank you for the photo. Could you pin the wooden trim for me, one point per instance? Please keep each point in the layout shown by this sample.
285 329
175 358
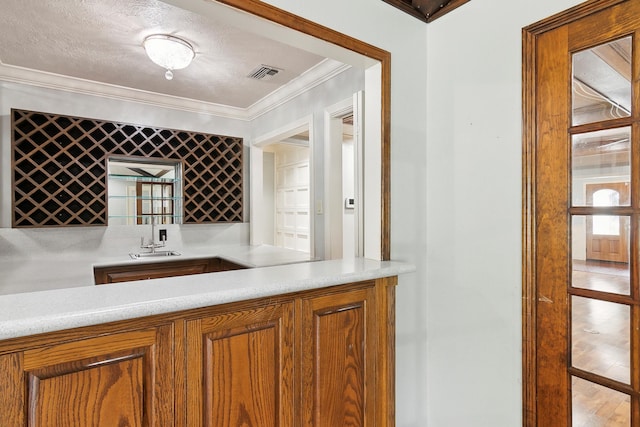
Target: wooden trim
530 35
386 379
453 4
386 160
180 373
570 15
529 290
407 7
287 19
295 22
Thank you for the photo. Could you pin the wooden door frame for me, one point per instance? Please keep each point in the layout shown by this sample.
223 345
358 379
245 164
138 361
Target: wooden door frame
530 37
287 19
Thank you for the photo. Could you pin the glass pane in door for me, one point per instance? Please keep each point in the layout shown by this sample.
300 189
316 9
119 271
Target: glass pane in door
595 405
601 82
600 338
593 260
601 160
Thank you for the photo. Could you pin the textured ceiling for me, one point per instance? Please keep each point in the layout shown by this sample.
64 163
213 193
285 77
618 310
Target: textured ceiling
101 40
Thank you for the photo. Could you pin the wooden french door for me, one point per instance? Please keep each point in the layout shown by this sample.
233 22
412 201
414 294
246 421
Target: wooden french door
581 319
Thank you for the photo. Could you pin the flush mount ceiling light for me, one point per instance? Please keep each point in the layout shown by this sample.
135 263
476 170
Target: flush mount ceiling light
169 52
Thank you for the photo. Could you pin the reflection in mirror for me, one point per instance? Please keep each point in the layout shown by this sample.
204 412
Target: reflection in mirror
601 158
602 82
142 192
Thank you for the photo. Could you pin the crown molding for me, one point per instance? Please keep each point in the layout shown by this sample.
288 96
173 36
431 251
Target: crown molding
43 79
313 77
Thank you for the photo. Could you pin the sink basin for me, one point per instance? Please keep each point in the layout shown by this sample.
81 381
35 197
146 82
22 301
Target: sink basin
154 254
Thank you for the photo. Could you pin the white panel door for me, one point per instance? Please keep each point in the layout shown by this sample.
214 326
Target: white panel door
292 198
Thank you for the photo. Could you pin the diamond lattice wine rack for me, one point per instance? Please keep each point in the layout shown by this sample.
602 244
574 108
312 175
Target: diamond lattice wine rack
60 176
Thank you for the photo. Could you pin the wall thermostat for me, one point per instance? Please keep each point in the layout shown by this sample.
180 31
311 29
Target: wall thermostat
349 203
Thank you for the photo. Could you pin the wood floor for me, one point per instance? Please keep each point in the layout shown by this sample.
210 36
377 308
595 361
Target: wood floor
600 344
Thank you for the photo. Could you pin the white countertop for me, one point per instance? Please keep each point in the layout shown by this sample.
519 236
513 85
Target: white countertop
30 313
65 270
249 256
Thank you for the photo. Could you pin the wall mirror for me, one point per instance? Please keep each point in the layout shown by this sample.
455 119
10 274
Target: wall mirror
141 191
330 51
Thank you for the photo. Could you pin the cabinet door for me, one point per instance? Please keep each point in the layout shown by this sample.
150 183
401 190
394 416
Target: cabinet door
228 265
240 369
338 360
113 380
151 272
144 271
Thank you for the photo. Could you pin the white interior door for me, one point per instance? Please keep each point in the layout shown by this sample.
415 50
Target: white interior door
292 228
277 156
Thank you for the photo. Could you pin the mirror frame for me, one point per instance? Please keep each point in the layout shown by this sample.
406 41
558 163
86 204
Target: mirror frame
294 22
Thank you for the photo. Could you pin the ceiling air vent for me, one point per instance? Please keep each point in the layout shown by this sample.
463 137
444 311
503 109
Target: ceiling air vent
264 72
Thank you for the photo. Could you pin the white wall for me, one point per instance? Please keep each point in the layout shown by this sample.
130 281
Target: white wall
348 191
382 25
268 197
474 211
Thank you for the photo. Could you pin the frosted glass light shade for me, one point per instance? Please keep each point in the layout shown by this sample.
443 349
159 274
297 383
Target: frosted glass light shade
169 52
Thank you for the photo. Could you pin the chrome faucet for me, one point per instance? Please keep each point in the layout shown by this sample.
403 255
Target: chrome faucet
152 245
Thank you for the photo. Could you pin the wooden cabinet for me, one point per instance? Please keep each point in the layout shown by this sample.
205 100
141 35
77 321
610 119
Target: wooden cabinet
240 368
225 265
338 358
117 379
320 358
155 270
